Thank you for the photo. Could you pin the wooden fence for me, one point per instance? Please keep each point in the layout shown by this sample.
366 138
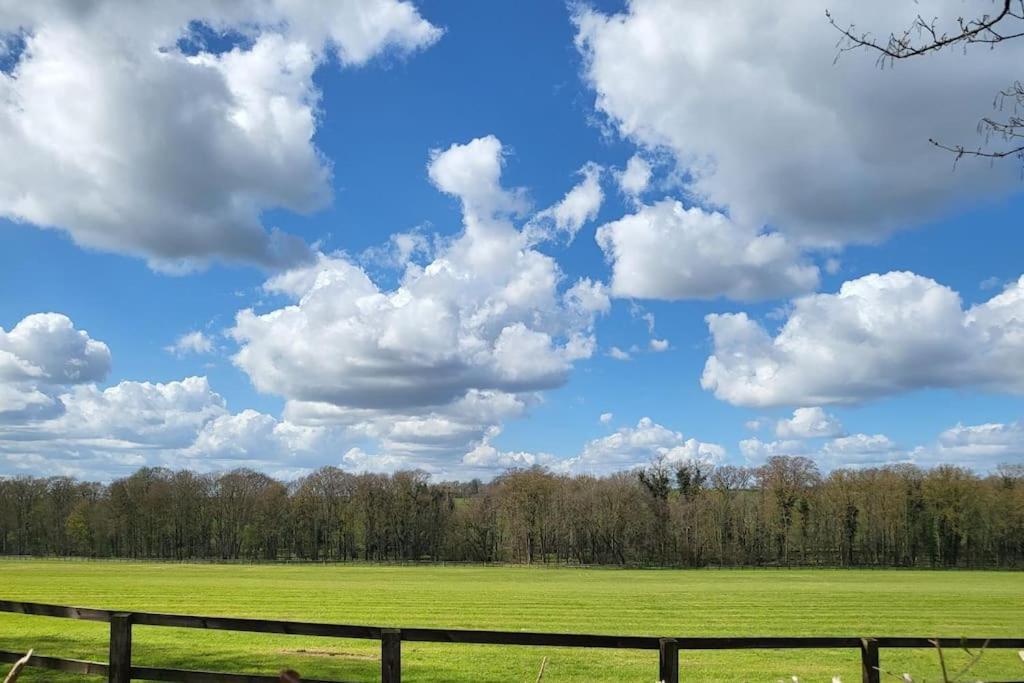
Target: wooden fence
119 668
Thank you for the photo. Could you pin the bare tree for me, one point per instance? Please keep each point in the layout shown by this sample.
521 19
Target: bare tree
924 36
784 512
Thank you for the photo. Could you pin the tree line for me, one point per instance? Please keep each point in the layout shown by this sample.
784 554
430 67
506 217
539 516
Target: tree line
782 513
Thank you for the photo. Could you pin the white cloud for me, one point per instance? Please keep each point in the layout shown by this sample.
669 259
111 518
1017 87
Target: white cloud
757 424
855 450
487 317
485 456
118 126
400 249
659 345
578 207
809 423
104 431
647 317
757 451
40 357
254 437
863 450
108 432
606 418
988 444
423 436
991 283
56 419
358 460
666 251
46 347
191 342
627 448
631 447
25 401
618 354
879 335
635 178
472 172
142 414
587 298
452 327
763 122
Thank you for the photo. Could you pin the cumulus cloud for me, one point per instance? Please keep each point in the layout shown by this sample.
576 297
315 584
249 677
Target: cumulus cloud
809 423
855 450
484 456
634 179
119 126
139 414
627 448
359 460
106 432
659 345
489 316
757 424
101 431
399 250
578 207
863 450
472 173
55 418
191 342
990 443
630 447
251 436
46 347
762 121
429 438
40 357
619 354
587 297
879 335
606 418
666 251
757 451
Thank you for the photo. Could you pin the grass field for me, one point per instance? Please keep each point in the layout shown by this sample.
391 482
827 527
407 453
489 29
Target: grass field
643 602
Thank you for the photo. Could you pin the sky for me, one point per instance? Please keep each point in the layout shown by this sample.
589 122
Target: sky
464 237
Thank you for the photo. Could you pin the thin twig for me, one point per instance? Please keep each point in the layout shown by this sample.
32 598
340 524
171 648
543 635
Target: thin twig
974 660
543 664
981 30
18 666
942 662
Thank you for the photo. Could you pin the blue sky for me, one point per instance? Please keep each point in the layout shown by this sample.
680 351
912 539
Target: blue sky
560 86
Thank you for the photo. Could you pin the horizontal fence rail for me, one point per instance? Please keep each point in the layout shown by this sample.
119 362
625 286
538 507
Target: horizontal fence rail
119 668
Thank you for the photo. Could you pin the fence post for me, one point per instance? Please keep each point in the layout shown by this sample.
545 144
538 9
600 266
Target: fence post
870 673
668 660
391 655
120 670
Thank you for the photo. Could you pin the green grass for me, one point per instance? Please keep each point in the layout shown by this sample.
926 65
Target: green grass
651 602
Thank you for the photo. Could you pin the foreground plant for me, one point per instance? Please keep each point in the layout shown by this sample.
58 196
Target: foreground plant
975 657
18 666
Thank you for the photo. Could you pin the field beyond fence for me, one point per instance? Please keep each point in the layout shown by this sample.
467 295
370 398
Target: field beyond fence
449 621
120 669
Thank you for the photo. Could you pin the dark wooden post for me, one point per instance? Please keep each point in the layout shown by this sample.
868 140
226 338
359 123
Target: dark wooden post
668 660
870 673
391 655
120 648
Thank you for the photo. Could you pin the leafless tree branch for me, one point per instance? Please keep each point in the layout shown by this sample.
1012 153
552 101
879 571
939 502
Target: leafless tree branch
18 666
923 37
